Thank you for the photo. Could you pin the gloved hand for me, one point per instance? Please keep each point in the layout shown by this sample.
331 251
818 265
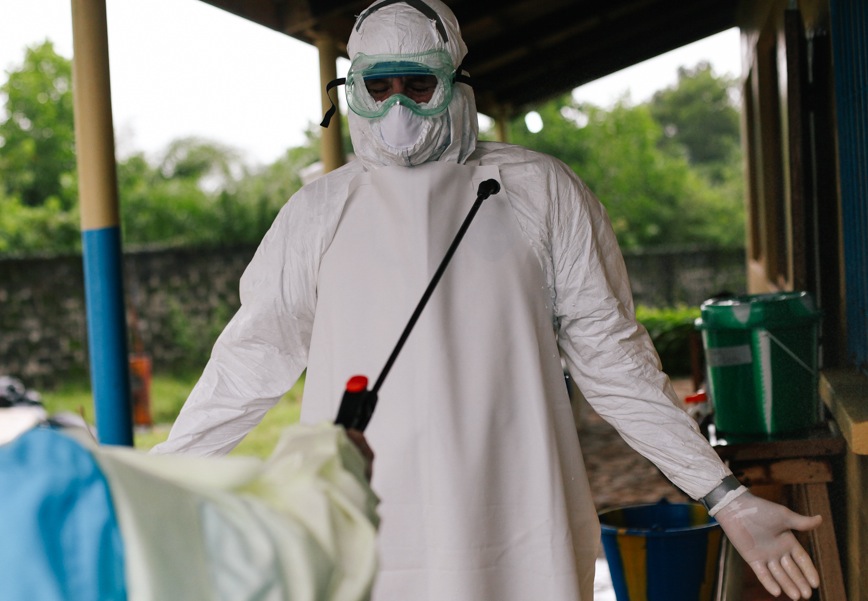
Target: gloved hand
761 532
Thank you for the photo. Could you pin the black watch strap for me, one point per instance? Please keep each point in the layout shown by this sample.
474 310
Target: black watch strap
727 485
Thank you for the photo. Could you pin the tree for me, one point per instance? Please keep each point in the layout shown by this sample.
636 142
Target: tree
201 193
198 191
264 192
700 117
37 140
616 153
47 228
185 198
210 164
561 135
653 195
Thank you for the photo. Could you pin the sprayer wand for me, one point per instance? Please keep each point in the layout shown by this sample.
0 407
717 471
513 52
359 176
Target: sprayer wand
357 404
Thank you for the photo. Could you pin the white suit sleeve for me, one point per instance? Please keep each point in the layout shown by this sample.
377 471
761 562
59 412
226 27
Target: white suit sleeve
609 354
263 350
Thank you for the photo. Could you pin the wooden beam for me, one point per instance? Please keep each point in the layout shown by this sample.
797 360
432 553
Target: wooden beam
813 499
790 471
845 392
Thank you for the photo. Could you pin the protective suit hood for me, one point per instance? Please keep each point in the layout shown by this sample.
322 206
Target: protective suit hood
390 27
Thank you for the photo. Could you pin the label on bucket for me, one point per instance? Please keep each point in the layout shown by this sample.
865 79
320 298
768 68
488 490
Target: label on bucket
728 355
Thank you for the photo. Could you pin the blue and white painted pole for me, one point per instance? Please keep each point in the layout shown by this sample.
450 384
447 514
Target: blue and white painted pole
100 224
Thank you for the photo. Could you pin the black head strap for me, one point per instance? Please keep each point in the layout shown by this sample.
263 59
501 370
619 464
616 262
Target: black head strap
331 112
418 5
459 77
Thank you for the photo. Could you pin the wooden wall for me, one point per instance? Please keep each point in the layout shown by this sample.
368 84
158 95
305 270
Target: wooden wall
794 239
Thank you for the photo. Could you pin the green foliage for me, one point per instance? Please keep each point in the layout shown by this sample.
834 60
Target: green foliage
648 163
45 228
699 117
37 141
643 189
562 135
197 193
201 193
670 330
157 209
194 334
667 171
265 191
168 393
72 396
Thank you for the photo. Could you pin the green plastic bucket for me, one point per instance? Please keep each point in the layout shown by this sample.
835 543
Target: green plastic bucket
761 362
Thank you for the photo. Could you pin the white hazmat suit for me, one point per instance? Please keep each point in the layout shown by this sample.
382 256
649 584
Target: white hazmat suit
482 484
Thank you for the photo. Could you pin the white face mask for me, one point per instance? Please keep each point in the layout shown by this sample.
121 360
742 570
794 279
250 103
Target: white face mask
401 128
400 137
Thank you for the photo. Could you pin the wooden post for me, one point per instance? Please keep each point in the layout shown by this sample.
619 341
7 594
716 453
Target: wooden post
501 119
100 224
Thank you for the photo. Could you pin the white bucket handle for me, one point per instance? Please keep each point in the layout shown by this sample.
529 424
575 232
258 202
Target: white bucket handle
795 358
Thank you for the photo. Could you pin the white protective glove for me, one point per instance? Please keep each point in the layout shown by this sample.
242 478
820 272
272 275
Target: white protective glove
761 531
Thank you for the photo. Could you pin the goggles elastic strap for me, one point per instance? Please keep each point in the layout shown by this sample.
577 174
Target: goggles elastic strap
331 112
459 77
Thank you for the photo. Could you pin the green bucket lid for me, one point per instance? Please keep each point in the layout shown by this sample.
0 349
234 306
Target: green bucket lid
779 309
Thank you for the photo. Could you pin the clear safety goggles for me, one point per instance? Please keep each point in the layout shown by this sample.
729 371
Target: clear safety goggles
421 82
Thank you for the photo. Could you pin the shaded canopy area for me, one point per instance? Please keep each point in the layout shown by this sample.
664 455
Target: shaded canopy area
525 51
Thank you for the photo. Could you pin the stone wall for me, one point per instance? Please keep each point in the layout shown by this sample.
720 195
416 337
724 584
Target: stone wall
42 318
684 276
180 299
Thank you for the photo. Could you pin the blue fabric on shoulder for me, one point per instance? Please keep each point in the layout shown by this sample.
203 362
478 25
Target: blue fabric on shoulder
59 536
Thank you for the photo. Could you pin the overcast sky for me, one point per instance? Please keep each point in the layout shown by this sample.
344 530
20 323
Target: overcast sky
183 67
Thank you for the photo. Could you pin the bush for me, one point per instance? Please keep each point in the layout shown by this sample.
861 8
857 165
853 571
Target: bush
670 330
48 228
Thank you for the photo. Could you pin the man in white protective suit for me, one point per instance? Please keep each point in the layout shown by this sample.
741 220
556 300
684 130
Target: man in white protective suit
482 484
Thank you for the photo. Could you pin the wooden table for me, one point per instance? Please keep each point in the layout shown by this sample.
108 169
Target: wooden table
801 467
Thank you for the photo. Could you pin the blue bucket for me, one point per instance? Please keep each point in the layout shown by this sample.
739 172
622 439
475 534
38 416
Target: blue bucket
662 551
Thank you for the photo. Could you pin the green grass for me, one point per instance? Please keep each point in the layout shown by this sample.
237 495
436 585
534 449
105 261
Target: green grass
168 393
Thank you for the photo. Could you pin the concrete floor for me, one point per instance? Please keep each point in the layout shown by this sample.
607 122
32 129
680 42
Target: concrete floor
603 590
